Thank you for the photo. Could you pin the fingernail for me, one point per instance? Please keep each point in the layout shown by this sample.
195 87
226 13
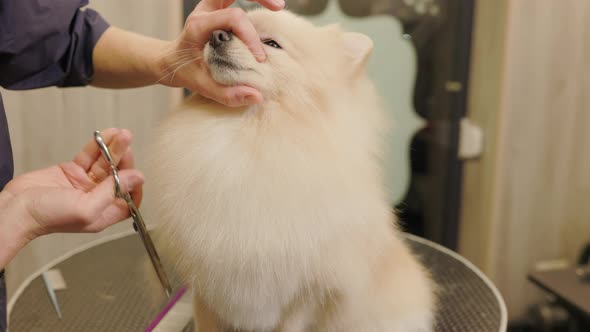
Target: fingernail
260 55
134 182
251 99
279 3
244 100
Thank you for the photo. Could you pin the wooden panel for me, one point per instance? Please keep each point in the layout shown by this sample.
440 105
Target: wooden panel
483 106
534 207
50 125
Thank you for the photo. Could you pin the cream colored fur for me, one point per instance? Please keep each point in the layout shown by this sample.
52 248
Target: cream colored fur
276 214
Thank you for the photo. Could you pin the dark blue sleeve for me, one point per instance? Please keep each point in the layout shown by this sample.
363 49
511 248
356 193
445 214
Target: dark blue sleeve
47 43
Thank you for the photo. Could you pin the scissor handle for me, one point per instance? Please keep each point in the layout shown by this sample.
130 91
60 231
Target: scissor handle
104 149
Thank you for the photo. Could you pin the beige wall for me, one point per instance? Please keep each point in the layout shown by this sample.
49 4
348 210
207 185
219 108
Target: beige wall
50 125
525 200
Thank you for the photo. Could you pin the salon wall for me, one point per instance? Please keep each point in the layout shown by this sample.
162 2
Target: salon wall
50 125
525 199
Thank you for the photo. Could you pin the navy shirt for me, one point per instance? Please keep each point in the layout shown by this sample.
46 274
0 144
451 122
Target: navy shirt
42 43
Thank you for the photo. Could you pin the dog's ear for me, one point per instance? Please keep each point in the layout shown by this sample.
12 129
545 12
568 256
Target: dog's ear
357 48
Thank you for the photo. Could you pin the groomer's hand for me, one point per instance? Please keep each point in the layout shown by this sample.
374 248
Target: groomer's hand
77 196
183 64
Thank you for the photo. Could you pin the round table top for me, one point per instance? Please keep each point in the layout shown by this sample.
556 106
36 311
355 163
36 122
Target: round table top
106 291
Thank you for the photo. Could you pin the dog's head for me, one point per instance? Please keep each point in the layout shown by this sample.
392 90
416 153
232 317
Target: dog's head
300 56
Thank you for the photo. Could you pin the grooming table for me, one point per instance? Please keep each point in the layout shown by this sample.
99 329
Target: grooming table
106 291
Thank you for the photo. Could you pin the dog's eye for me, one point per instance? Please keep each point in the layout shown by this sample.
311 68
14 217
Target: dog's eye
272 43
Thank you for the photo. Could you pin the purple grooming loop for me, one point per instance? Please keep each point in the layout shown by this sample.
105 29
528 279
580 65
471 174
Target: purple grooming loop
164 311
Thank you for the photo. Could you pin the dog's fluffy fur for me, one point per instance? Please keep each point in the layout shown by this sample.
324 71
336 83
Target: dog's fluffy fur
276 214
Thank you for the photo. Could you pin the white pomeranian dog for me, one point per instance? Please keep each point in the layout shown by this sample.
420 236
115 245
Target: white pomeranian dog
276 214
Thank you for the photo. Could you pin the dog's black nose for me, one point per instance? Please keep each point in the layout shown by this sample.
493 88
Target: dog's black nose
218 37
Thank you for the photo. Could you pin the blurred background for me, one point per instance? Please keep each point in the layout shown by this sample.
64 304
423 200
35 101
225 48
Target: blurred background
490 153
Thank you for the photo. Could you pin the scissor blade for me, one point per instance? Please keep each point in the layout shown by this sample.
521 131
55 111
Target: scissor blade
149 246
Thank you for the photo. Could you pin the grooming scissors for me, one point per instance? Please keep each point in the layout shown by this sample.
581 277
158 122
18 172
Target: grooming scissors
138 222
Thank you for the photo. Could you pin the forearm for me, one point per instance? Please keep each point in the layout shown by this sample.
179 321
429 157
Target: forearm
124 59
14 235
